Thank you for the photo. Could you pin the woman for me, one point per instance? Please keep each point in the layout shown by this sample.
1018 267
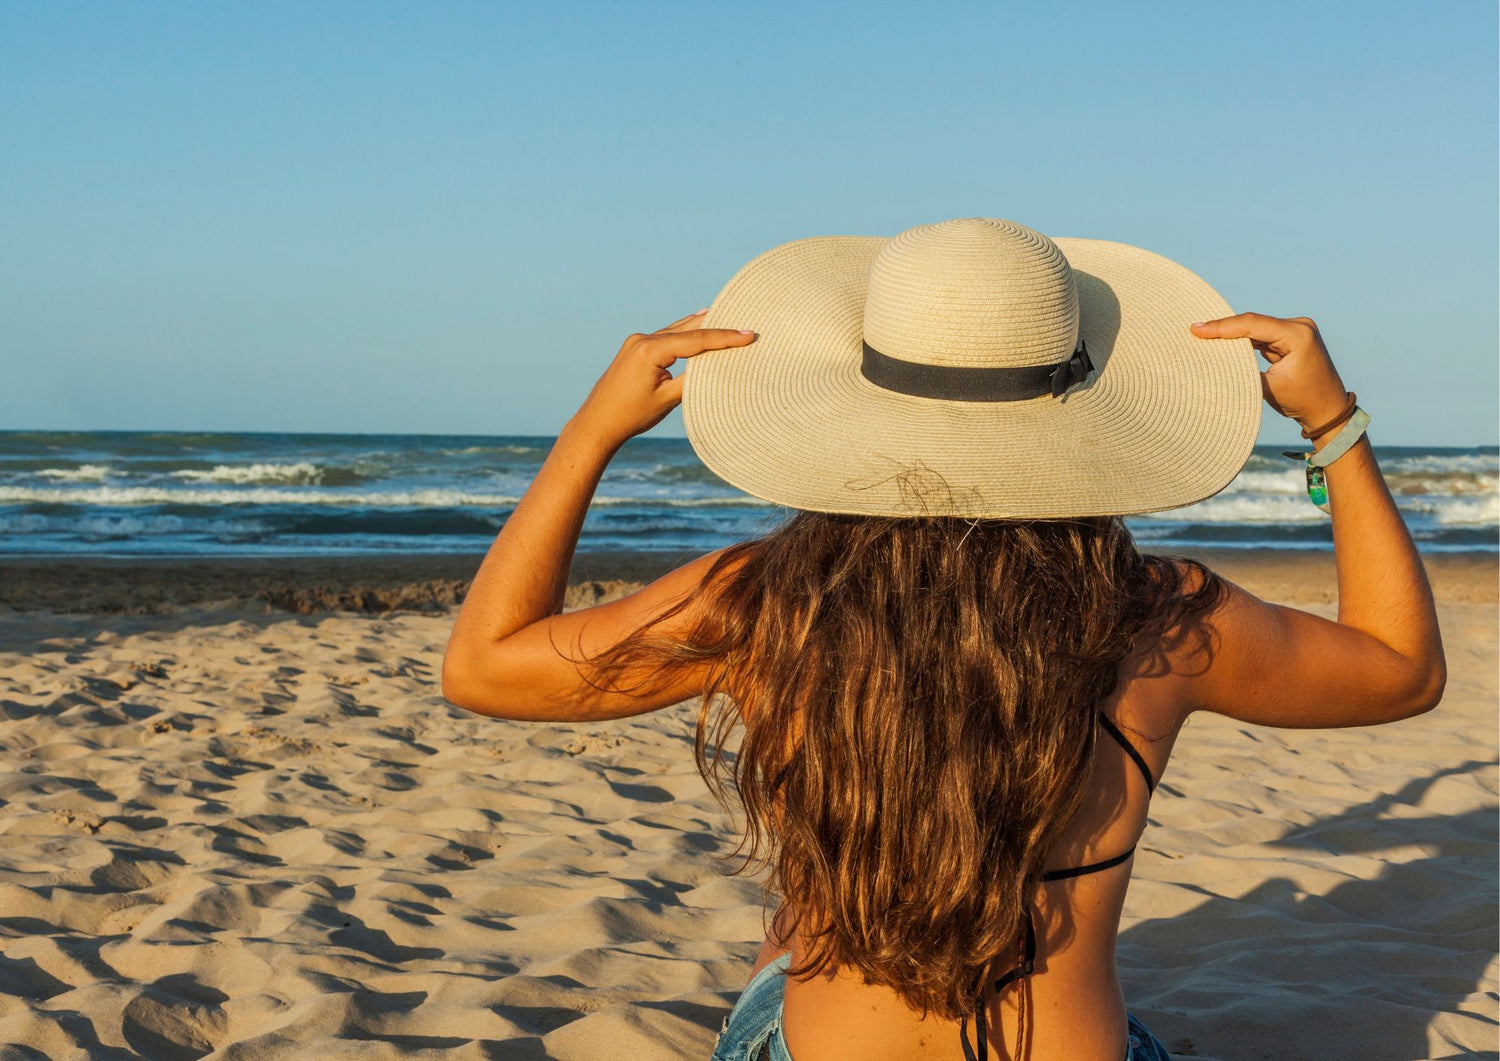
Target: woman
958 680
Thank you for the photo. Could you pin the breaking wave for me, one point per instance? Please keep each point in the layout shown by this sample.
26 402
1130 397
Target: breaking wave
428 498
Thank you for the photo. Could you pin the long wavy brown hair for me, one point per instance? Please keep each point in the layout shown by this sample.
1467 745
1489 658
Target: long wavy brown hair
917 699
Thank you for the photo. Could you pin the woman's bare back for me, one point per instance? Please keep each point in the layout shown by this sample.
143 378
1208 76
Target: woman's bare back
1076 1009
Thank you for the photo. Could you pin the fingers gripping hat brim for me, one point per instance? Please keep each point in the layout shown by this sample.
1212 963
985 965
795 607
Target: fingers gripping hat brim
1165 419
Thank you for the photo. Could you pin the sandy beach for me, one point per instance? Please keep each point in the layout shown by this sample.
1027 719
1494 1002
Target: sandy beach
240 822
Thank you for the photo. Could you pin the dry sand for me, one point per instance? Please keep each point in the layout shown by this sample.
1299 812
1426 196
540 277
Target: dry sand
237 832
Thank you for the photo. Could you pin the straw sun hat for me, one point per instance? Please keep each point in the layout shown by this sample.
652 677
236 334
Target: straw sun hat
972 368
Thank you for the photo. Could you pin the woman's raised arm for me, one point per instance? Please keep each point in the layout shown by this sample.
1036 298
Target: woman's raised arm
508 652
1383 659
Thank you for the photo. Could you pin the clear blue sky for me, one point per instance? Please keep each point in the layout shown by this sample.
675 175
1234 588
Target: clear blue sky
444 217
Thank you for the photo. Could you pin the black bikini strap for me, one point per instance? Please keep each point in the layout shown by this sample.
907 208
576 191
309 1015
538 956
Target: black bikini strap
979 1033
981 1029
1092 867
1120 738
1028 958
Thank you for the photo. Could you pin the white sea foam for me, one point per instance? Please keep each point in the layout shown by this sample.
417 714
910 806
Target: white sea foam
1452 484
26 523
1444 463
470 450
667 476
94 527
1415 477
84 473
431 498
1246 509
301 473
1266 509
1289 480
1465 511
736 501
100 526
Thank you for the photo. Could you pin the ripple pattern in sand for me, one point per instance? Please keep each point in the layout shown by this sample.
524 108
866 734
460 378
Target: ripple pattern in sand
273 838
237 836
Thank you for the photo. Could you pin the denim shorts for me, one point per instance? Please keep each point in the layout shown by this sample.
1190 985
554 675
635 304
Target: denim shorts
752 1031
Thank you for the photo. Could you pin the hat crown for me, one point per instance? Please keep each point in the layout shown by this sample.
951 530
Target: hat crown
976 293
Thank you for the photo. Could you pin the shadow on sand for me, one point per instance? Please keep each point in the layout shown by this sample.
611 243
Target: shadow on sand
1358 971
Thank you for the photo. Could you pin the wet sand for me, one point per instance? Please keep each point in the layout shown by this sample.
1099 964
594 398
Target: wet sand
377 584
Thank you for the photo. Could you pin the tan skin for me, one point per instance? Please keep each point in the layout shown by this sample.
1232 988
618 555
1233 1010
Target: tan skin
1380 661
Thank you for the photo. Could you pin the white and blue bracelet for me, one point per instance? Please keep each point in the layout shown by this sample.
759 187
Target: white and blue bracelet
1317 482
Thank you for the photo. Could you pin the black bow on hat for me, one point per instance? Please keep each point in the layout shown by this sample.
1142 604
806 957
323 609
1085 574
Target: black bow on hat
1075 369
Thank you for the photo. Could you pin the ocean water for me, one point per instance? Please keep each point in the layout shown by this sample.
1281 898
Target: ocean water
179 493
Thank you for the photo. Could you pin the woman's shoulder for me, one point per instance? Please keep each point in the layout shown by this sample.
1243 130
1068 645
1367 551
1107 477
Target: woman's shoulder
1177 657
698 584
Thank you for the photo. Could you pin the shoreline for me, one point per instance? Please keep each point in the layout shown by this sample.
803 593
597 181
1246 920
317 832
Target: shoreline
381 584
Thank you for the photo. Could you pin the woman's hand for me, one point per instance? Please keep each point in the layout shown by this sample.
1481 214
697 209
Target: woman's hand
638 389
1301 382
511 652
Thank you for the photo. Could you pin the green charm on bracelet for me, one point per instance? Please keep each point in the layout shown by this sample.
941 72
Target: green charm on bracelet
1341 443
1317 487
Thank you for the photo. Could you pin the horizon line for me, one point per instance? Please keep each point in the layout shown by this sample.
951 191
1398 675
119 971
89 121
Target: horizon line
1290 443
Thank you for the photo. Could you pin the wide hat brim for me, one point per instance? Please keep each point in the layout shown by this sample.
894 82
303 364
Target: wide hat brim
1165 420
